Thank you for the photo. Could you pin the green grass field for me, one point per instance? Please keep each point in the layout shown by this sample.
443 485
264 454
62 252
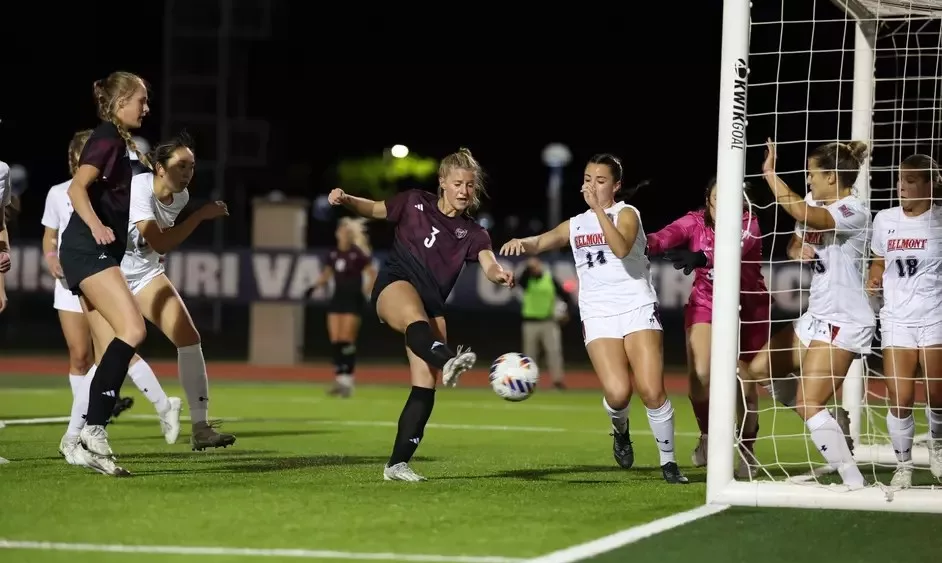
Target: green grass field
507 482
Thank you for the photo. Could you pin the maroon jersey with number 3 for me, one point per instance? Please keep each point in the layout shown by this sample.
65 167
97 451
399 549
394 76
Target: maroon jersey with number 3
430 247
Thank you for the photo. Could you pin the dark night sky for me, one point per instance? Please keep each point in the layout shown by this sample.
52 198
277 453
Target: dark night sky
642 84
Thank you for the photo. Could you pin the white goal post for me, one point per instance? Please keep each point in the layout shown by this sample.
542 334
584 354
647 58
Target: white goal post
867 18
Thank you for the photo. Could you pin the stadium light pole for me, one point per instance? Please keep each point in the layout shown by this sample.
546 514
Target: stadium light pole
555 157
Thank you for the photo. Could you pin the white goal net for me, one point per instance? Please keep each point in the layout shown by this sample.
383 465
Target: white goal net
818 72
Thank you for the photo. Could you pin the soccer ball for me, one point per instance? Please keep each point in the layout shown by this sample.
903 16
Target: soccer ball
514 376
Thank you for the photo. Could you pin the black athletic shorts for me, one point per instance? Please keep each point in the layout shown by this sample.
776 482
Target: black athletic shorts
81 257
392 272
347 299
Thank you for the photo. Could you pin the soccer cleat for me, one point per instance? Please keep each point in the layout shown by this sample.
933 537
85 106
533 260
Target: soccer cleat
121 405
699 457
559 385
170 420
341 390
95 440
401 472
68 446
102 464
205 436
672 473
843 420
903 476
463 361
747 467
622 450
935 458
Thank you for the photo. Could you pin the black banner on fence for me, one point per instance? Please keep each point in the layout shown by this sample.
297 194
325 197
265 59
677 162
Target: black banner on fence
246 275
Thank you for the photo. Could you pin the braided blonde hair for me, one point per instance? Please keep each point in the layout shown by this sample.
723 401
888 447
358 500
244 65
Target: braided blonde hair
76 145
357 226
119 86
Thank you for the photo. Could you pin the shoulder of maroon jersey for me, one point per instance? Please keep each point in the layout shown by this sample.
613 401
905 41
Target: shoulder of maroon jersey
106 130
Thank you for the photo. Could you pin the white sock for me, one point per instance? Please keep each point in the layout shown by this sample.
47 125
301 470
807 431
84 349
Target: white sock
619 417
80 385
344 380
935 422
192 367
828 437
902 431
661 420
145 380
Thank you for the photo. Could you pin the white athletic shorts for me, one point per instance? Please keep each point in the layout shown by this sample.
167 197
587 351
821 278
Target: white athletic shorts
619 326
65 300
899 336
139 281
856 339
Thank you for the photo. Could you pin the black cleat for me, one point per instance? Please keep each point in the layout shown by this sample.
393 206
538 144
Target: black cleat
672 474
621 449
559 385
121 405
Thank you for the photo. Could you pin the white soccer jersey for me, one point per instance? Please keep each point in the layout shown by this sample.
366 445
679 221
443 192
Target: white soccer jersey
609 285
837 293
6 186
140 260
911 247
58 209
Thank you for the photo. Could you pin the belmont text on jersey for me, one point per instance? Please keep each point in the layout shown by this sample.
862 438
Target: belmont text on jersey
906 244
592 239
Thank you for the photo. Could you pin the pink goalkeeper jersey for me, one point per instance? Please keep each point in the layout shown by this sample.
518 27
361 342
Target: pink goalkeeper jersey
691 230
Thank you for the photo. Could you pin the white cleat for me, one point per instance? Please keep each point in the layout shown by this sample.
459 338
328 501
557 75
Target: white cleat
95 439
935 458
170 420
699 456
462 362
68 447
102 464
401 472
903 477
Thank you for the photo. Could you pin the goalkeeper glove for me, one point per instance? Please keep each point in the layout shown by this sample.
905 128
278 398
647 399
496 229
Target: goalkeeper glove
687 260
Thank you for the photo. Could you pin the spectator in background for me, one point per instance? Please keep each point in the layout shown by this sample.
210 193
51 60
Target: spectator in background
545 308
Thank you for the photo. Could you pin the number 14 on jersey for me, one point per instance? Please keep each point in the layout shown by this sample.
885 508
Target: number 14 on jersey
598 258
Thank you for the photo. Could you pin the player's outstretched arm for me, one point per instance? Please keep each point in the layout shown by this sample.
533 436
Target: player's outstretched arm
164 241
494 272
550 240
359 205
818 218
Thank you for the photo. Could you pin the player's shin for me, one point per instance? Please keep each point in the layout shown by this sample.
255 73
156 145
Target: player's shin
829 439
415 415
192 368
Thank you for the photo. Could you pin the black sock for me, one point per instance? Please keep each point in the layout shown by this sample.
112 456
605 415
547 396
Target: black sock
412 423
106 385
419 339
348 357
338 357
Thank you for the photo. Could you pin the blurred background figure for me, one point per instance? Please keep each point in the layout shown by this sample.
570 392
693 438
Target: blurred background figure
545 308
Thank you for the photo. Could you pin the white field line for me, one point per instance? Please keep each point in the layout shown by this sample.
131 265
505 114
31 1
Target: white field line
631 535
252 552
315 422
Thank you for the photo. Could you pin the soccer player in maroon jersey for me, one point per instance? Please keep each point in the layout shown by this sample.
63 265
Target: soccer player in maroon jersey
434 237
94 242
346 264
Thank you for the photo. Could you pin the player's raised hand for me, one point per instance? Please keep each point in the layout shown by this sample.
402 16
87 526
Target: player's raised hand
768 167
5 262
590 195
505 278
808 252
874 285
336 196
513 247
